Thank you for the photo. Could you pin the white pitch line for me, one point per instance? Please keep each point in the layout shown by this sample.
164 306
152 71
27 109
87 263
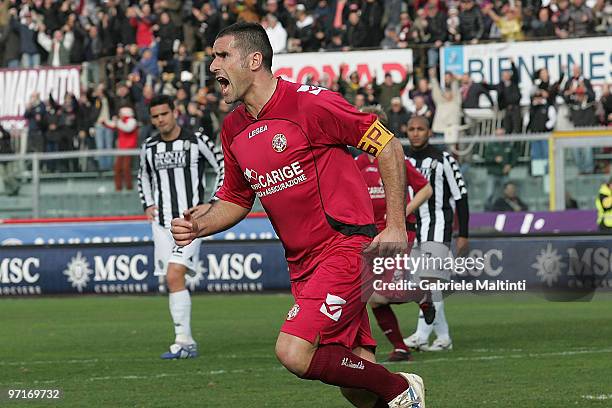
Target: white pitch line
241 371
600 397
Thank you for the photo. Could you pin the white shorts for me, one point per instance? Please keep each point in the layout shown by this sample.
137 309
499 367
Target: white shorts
437 253
166 251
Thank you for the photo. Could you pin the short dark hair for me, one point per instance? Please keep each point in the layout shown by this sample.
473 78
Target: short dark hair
161 100
250 37
421 118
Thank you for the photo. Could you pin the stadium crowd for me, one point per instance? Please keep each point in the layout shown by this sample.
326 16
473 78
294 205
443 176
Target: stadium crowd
133 50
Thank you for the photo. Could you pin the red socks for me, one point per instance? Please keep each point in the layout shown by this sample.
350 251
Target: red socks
388 324
335 365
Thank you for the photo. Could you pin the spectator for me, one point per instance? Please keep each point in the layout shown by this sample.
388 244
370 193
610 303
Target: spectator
423 90
542 27
389 89
471 93
419 33
58 47
509 201
452 25
509 99
371 16
167 33
578 81
336 42
603 202
420 108
103 126
561 19
12 43
570 202
391 39
403 33
582 114
448 103
356 34
437 31
127 138
499 159
147 67
360 101
304 40
36 115
471 26
276 33
581 19
143 21
85 124
397 118
30 58
606 105
509 23
603 17
542 116
11 184
349 89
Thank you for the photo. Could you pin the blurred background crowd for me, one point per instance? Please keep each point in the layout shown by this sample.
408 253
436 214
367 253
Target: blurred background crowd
131 50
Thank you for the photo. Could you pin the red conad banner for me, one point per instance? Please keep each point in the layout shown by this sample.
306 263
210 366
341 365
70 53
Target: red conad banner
17 85
368 64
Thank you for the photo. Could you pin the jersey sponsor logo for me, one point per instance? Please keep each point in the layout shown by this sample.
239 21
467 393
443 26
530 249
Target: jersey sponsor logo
332 307
170 160
257 131
275 180
279 143
376 192
293 312
315 90
426 171
375 139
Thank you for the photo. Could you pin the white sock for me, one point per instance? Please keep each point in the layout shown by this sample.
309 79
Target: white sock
180 309
440 325
423 329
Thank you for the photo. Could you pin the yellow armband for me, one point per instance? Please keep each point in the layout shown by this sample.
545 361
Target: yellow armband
375 139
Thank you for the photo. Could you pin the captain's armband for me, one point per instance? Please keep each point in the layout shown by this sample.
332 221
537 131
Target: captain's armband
375 139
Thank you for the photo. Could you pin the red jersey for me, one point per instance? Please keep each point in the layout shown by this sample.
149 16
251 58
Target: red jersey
371 176
294 158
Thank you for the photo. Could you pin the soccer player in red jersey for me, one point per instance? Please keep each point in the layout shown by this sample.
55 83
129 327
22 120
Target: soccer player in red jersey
287 144
381 301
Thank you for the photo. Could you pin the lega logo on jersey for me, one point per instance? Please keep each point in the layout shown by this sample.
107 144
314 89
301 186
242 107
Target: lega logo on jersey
279 142
170 160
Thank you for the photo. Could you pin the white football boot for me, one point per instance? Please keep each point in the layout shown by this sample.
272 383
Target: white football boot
414 396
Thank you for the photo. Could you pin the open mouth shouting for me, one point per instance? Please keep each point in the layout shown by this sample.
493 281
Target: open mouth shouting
224 83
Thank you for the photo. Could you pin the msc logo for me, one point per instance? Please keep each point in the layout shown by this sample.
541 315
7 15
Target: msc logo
332 307
234 266
17 270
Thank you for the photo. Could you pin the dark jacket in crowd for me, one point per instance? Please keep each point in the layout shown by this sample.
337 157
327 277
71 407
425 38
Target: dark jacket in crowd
471 99
471 24
508 94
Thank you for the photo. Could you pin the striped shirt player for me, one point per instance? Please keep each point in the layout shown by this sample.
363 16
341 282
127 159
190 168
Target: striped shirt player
435 217
435 224
172 179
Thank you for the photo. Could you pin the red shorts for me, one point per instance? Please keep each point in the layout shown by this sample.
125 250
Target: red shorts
330 305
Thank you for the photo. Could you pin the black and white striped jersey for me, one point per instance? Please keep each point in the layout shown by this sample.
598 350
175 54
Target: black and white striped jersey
172 174
435 217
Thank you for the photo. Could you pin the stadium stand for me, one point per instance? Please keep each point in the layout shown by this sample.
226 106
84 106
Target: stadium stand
130 50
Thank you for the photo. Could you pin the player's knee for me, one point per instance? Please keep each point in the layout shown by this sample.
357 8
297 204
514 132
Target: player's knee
292 358
175 278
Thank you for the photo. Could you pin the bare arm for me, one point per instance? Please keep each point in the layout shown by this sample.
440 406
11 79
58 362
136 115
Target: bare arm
393 174
206 220
419 198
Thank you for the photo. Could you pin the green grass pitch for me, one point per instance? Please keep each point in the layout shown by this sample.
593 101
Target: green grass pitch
510 351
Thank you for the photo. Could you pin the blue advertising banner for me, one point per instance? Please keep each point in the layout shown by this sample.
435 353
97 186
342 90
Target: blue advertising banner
128 268
579 264
115 231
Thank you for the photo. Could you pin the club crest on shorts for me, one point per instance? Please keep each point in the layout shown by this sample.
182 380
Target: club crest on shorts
293 312
279 142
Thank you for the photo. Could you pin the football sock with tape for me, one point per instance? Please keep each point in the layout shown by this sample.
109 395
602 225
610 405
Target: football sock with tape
180 309
390 327
336 365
